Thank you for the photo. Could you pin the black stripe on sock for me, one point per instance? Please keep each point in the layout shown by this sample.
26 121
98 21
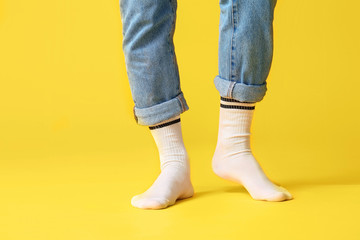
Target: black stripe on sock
237 107
232 100
164 124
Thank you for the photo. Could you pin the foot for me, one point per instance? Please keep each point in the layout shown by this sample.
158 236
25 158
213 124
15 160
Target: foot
174 182
242 168
233 159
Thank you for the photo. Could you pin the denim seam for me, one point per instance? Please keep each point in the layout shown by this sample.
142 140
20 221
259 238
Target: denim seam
231 88
172 27
136 118
181 103
231 41
173 4
232 47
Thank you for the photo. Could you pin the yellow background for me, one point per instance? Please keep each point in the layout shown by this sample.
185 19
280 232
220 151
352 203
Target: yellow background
72 156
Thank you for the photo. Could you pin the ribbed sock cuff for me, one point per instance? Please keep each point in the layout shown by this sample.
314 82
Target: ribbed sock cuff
165 123
235 104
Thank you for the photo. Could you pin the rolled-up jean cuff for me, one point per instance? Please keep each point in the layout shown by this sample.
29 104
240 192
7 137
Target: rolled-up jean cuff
161 112
240 91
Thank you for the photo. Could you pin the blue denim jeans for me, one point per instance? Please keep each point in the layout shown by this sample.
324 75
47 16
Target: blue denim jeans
245 54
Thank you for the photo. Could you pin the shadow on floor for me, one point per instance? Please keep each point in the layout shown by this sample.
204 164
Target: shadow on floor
328 180
290 185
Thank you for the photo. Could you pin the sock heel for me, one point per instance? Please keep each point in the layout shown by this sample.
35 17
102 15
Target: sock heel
189 192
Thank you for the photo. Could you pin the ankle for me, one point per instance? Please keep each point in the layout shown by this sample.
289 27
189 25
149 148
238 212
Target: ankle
180 162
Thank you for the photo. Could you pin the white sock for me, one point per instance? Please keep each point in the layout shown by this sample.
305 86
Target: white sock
174 180
233 159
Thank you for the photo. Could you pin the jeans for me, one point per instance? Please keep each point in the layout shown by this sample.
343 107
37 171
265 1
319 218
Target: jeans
244 55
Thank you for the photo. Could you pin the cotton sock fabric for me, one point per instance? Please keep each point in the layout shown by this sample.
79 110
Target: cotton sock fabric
233 158
174 180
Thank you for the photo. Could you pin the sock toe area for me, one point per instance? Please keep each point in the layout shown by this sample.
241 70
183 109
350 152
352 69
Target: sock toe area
286 192
278 194
149 203
135 199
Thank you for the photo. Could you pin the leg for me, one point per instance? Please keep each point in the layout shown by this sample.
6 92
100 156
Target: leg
245 55
148 28
245 48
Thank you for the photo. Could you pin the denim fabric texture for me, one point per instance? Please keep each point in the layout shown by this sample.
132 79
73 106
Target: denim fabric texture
245 54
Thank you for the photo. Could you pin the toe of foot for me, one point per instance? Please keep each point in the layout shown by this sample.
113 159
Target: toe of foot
149 203
275 197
